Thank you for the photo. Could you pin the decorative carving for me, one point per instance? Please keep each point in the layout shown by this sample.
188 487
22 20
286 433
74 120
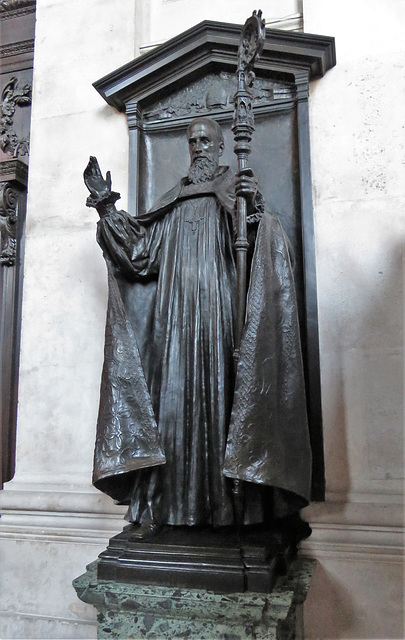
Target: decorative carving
16 48
14 170
251 42
12 97
213 93
12 8
8 224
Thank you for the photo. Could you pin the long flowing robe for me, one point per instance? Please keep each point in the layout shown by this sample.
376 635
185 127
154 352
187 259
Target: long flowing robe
171 432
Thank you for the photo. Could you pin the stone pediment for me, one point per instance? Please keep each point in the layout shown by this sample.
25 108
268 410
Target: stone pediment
211 48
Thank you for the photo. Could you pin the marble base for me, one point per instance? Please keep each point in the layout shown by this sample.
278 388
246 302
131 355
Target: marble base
141 611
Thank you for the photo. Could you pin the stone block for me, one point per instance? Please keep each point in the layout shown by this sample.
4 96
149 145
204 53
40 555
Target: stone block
142 611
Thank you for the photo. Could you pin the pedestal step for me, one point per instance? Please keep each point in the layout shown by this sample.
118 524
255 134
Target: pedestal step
198 558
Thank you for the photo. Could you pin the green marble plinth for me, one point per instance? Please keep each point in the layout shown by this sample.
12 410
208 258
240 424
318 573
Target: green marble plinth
138 612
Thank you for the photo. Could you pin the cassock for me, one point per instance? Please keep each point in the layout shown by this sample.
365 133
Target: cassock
177 422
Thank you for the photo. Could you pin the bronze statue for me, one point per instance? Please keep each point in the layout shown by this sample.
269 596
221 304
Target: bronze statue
178 419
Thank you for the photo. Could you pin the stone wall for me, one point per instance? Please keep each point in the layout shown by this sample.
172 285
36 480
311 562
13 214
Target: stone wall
357 149
53 522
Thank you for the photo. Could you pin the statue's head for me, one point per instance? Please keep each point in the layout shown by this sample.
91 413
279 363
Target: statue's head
206 145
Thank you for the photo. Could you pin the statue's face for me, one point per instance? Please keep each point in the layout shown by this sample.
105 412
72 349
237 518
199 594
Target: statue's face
203 142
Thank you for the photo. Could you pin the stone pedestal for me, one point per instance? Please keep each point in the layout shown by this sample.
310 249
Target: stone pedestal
140 611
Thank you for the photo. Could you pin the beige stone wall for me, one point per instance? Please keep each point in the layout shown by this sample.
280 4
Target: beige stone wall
53 522
357 149
160 20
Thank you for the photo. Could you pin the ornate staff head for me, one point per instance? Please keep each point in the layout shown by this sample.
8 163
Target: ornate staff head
251 42
250 47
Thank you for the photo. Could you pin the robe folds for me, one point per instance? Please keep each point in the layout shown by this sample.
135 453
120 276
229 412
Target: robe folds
176 421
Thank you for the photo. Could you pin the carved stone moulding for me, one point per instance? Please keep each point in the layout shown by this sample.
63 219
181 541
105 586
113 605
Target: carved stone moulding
13 96
17 48
13 178
17 20
13 8
13 181
8 224
14 170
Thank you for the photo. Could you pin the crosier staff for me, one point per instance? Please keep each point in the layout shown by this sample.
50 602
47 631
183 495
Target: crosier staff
250 47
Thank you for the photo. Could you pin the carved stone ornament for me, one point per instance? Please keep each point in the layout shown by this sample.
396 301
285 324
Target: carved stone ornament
12 97
16 48
8 224
11 8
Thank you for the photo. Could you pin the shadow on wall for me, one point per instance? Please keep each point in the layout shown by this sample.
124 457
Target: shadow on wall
362 368
333 602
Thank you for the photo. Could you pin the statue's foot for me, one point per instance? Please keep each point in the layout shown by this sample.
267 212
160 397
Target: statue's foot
145 531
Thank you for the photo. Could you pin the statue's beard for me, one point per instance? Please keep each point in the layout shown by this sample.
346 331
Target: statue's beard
202 169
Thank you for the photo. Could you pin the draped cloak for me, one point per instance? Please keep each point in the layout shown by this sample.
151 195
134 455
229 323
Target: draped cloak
176 422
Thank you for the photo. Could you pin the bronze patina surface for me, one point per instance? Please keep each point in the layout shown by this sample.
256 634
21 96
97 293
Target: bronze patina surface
177 418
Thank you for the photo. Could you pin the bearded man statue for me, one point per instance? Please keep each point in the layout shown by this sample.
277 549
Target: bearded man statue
178 420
